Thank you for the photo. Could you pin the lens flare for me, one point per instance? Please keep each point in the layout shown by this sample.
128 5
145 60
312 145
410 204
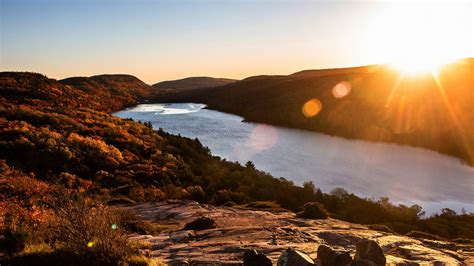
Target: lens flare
114 226
341 89
263 137
311 108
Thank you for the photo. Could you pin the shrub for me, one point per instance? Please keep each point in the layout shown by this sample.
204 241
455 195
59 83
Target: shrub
36 248
89 232
313 210
402 228
224 195
154 194
196 193
137 193
172 192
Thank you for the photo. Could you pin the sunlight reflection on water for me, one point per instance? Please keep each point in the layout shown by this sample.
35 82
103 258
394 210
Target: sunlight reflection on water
167 109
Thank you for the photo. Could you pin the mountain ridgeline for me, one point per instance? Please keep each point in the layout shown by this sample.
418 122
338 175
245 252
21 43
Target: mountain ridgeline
190 84
373 103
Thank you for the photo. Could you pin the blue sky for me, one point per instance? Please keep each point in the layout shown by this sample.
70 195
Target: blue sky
160 40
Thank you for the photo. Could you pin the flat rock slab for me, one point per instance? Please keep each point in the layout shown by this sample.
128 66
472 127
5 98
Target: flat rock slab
271 233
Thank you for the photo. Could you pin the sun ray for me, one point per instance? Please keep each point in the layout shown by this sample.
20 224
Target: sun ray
393 90
457 124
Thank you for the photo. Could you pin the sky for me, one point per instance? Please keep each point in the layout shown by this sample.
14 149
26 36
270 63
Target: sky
164 40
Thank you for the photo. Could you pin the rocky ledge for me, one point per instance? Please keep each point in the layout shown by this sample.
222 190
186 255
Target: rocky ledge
199 234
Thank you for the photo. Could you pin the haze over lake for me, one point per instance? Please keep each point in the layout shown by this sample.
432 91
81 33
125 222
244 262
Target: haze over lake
404 174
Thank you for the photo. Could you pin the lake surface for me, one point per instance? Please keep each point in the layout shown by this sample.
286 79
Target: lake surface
404 174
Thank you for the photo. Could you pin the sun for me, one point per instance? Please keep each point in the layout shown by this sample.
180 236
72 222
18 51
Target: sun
418 65
417 38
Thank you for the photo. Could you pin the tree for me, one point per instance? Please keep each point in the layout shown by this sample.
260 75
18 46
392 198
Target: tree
250 165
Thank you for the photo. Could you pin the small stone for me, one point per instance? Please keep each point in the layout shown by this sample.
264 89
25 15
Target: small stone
253 258
328 257
292 257
369 251
182 236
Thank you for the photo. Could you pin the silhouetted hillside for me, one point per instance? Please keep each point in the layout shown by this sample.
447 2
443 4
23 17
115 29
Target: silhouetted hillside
373 103
191 83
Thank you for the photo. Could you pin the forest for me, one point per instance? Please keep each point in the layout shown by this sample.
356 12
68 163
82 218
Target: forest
59 142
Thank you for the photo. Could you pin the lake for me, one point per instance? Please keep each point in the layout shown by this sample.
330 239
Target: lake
405 174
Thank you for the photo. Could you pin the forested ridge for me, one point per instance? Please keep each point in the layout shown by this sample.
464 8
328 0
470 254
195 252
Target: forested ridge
60 136
376 103
190 84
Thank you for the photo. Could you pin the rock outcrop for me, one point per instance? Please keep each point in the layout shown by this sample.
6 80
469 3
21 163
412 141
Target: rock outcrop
273 233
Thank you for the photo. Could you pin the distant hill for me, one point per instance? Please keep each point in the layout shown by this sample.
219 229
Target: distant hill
115 90
382 105
191 83
38 90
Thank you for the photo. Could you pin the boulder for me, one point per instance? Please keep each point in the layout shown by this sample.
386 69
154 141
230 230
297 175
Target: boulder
292 257
253 258
329 257
368 252
201 223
